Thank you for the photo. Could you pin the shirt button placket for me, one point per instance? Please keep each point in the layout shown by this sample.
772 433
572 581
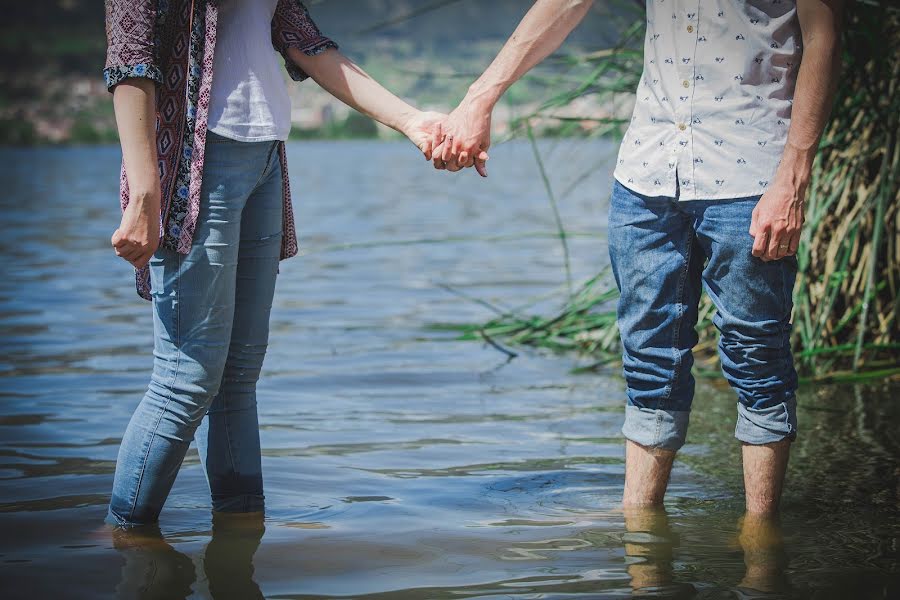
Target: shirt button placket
686 125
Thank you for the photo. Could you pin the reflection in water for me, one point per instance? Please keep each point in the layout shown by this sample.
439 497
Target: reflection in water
765 559
155 570
649 550
228 561
651 547
400 462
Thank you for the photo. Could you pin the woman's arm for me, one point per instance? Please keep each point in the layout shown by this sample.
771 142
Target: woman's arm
131 74
137 237
346 81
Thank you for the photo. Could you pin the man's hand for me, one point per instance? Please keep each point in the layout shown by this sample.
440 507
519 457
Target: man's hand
137 237
464 138
777 221
467 133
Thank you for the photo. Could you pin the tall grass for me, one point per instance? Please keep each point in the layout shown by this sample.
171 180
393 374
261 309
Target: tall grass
845 301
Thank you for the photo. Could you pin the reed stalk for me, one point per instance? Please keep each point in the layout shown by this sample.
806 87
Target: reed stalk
846 298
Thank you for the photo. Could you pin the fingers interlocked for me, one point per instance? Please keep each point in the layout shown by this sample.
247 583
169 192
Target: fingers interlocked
450 155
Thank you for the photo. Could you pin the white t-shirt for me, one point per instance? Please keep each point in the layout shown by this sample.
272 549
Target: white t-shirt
249 100
714 103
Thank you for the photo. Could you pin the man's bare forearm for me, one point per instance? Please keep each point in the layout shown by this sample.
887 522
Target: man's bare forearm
134 101
541 31
814 91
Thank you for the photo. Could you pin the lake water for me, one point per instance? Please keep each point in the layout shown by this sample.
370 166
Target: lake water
401 462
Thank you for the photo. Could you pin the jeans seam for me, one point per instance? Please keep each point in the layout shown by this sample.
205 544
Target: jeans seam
228 437
266 168
137 489
679 300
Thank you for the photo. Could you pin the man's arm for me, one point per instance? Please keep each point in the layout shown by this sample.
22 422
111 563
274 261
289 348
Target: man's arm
467 132
778 218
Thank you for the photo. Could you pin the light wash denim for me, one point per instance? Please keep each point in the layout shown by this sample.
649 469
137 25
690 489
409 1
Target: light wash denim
663 252
211 325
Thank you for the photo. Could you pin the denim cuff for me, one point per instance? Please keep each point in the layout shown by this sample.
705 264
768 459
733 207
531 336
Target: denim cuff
767 425
665 429
113 519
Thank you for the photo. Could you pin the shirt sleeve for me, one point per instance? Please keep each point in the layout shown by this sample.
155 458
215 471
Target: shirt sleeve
130 41
292 27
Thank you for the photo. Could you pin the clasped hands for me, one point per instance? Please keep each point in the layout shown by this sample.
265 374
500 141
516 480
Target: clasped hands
455 141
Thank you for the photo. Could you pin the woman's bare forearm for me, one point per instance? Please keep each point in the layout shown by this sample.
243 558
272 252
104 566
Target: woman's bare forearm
134 101
350 84
137 237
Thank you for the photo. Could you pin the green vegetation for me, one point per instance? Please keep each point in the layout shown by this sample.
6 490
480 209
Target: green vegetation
846 300
17 132
355 127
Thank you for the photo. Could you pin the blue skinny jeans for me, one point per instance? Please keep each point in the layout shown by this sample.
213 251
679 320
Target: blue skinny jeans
211 327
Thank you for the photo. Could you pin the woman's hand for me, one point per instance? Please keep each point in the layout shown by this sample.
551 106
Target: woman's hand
137 237
421 128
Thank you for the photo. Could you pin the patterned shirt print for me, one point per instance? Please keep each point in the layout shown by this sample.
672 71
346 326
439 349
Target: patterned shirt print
713 106
172 42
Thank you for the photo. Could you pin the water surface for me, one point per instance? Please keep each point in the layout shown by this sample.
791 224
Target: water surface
400 462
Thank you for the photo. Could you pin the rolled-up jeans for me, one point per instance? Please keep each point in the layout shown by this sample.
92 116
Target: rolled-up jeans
211 327
664 252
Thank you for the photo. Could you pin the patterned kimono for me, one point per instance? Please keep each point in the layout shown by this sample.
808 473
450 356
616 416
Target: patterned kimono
172 42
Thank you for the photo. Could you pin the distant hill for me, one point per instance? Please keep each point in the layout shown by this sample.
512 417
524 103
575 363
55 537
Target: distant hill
52 53
70 32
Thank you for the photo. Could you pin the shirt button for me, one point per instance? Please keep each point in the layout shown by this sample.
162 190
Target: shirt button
686 83
682 126
690 28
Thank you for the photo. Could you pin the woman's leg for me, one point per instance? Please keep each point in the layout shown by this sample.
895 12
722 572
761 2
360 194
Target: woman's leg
228 440
193 302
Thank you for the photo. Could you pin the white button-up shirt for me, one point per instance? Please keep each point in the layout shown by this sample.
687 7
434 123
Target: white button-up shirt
714 103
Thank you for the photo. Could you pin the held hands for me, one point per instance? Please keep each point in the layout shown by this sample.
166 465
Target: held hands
137 237
463 139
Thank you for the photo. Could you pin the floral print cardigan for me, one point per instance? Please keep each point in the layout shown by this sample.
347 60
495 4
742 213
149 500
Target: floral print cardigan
172 42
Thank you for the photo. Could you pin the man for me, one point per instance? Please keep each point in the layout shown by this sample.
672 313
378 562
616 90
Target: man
709 191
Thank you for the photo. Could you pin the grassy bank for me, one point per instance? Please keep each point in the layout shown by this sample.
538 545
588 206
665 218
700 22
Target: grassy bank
845 300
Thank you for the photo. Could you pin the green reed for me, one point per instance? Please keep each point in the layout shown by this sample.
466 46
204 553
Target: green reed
845 301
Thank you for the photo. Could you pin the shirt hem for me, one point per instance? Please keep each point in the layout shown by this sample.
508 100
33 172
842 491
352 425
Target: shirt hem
685 198
272 137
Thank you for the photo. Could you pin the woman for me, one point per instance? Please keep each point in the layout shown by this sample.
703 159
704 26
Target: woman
203 112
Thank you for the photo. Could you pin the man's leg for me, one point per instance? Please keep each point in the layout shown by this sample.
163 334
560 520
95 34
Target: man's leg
657 269
764 468
647 471
753 302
